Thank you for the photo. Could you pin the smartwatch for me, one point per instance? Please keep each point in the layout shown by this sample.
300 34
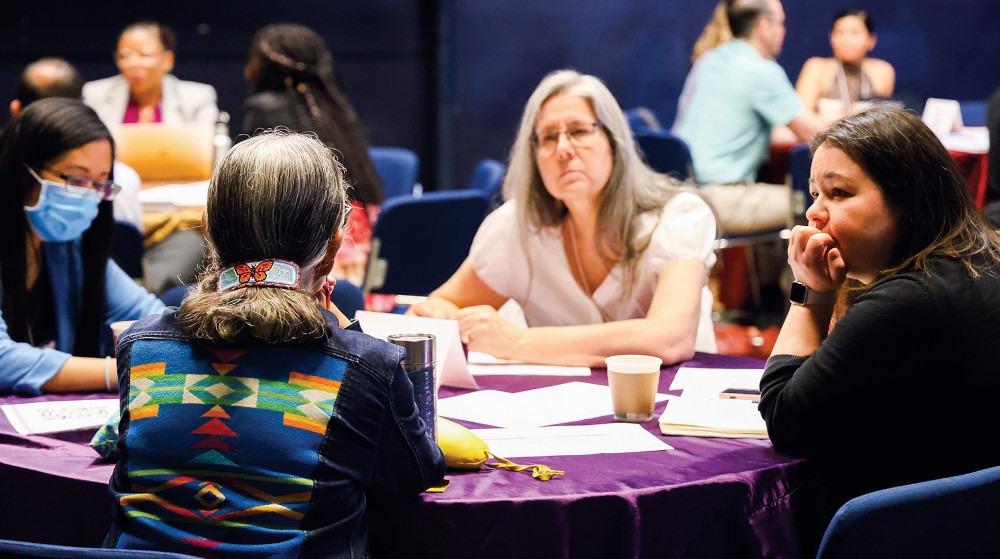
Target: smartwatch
801 294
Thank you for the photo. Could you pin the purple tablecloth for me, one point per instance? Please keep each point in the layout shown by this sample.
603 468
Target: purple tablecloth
706 498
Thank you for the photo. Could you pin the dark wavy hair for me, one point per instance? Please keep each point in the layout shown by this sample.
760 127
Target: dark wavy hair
918 177
864 16
166 35
292 58
40 133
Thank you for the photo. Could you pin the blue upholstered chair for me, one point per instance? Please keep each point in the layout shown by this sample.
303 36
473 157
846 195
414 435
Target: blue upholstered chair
487 177
666 153
348 298
799 164
419 242
642 120
396 168
128 248
10 548
973 112
175 295
951 517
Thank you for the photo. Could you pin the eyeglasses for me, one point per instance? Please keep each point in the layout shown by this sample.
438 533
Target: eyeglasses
107 189
348 208
579 135
143 56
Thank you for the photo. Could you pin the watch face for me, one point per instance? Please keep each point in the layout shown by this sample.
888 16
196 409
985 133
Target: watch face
798 293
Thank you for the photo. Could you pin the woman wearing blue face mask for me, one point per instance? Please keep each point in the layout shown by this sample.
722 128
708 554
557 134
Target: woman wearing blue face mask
58 288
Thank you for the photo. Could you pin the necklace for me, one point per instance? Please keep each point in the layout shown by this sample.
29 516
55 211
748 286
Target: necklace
579 263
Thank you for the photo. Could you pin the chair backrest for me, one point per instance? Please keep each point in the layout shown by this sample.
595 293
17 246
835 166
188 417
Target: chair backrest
160 152
799 164
419 242
10 548
950 517
397 169
666 153
973 112
128 249
487 177
643 121
348 298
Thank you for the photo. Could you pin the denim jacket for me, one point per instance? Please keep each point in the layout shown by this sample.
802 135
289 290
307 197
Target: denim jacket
265 450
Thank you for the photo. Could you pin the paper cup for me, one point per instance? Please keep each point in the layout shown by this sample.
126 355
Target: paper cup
118 327
633 380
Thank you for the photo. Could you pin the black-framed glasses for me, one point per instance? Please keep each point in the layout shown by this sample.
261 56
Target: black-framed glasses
107 189
580 134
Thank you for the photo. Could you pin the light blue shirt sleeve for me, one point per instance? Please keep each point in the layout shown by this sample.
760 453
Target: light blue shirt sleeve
125 299
24 369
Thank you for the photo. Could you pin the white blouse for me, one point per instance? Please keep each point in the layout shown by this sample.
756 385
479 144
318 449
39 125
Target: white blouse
535 272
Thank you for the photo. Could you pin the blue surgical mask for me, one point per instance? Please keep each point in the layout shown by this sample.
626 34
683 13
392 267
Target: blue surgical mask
62 212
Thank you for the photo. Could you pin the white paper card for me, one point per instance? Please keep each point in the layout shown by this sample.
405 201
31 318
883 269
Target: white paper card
35 418
606 438
942 116
169 197
708 383
485 364
450 366
552 405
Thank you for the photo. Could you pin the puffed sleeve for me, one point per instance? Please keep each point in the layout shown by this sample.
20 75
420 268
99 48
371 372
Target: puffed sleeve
685 231
497 256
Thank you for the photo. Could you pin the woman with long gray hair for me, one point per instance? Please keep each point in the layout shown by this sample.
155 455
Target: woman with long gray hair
604 255
251 424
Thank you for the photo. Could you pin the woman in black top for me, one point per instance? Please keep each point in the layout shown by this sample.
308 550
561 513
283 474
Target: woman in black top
902 387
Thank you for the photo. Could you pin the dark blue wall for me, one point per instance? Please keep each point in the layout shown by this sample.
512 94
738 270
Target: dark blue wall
448 78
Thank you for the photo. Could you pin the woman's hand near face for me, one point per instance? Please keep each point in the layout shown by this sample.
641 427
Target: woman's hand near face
484 330
815 260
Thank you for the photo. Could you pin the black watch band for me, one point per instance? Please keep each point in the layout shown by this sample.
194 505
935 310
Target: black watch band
801 294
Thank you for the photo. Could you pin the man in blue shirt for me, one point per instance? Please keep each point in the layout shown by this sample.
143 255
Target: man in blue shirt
733 96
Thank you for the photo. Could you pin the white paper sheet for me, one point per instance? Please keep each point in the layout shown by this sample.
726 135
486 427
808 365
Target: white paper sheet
708 383
170 197
606 438
34 418
450 366
485 364
552 405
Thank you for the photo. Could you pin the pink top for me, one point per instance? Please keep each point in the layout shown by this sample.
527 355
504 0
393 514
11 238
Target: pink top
132 113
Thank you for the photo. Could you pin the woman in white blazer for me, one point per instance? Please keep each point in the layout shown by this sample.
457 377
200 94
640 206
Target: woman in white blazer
145 91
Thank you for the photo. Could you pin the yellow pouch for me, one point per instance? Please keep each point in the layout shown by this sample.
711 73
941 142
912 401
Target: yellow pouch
463 450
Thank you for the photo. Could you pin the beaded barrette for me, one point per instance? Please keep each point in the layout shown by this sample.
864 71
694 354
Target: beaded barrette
259 273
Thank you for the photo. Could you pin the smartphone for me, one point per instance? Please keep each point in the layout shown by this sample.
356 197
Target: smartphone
740 394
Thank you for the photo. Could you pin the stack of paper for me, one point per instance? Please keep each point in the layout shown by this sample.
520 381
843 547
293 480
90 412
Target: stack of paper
699 411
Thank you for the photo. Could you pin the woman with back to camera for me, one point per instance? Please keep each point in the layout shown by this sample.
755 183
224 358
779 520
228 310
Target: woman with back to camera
252 425
831 86
145 90
604 255
293 83
902 388
59 287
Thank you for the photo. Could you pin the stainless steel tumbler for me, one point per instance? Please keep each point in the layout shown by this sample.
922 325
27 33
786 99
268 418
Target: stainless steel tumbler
419 366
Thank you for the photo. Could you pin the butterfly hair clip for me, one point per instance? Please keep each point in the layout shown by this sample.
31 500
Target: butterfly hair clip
259 273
